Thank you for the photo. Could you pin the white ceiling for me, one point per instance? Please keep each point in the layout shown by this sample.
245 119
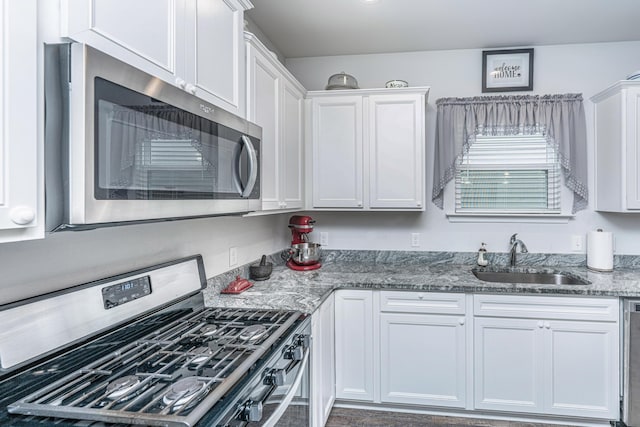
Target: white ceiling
301 28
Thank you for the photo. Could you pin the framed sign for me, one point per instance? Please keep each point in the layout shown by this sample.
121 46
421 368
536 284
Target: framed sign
507 70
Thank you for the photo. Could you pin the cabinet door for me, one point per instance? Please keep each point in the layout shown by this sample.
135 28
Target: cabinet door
508 368
337 152
396 151
323 363
633 148
214 53
581 369
292 143
263 107
145 33
423 359
20 166
354 345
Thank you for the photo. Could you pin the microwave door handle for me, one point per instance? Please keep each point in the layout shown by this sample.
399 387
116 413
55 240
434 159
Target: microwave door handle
253 166
277 414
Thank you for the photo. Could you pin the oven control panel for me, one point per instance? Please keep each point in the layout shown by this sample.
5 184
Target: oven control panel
124 292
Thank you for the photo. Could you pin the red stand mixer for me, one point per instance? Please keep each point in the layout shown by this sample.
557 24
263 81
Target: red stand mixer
303 256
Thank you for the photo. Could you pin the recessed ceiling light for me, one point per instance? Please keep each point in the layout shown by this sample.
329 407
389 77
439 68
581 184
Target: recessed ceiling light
369 1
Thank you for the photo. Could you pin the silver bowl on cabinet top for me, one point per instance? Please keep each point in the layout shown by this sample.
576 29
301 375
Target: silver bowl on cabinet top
342 81
393 84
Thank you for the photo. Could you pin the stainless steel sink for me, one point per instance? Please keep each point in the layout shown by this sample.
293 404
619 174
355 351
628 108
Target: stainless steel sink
537 277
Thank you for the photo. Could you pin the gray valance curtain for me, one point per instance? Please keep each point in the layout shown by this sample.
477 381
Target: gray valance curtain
560 118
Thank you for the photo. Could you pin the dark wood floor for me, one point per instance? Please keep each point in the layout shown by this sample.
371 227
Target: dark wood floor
341 417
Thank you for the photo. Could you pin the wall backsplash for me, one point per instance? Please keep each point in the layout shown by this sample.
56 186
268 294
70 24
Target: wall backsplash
66 259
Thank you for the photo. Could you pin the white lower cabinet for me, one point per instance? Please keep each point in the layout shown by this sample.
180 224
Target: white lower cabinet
323 363
506 355
547 355
508 365
423 348
354 345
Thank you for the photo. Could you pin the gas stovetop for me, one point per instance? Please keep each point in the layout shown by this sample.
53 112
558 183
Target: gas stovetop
172 376
166 369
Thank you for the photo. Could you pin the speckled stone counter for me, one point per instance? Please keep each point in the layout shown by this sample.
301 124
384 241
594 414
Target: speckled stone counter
416 271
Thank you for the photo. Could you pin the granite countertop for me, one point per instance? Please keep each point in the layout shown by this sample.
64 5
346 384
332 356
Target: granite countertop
434 272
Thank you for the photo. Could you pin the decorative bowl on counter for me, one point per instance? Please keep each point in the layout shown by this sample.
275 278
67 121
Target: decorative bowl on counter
342 81
396 84
261 271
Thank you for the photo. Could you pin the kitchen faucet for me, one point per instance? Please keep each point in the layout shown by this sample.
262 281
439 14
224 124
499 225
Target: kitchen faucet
514 242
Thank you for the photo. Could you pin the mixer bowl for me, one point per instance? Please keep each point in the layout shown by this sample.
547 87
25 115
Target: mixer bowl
305 253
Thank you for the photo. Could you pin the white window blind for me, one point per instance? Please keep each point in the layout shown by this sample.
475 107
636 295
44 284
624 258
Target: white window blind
171 165
509 174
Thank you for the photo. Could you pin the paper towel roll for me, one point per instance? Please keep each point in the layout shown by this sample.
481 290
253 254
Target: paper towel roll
600 250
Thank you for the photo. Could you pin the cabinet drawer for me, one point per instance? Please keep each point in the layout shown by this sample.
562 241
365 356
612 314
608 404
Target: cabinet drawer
422 302
546 307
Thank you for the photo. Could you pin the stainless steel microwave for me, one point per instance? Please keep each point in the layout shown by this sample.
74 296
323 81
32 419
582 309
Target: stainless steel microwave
122 146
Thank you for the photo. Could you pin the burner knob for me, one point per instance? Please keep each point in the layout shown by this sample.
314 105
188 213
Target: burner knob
275 377
251 411
294 352
304 341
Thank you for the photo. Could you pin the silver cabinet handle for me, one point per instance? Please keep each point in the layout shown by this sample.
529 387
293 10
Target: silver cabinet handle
275 417
253 166
180 83
190 88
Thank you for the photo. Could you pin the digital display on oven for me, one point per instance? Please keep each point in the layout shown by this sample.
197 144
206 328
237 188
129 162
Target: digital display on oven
122 293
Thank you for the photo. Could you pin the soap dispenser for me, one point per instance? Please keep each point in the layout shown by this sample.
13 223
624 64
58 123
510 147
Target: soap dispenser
482 256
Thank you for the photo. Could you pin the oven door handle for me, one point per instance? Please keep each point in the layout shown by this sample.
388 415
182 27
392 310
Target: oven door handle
277 414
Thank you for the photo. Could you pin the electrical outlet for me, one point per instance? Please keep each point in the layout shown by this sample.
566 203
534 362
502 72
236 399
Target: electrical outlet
415 240
576 243
324 238
233 256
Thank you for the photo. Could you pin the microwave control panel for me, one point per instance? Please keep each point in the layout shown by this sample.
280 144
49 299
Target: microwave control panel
122 293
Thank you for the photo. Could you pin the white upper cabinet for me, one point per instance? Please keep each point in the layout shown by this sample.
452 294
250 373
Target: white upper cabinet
275 102
368 148
194 44
21 201
396 151
617 148
337 152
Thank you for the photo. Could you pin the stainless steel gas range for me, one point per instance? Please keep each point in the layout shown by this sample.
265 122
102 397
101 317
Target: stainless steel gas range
142 349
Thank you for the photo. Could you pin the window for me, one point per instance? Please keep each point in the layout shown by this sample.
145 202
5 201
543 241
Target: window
515 174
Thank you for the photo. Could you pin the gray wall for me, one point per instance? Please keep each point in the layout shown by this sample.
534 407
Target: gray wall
67 258
587 68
